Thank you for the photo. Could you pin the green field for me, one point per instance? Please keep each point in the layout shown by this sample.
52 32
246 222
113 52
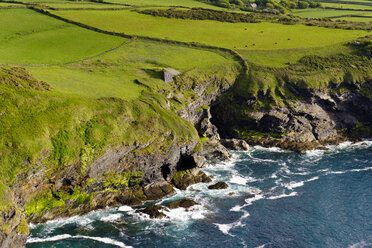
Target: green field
82 5
284 57
263 35
37 39
321 13
347 6
184 3
115 73
337 8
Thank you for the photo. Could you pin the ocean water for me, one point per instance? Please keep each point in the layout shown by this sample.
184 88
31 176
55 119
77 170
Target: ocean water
275 199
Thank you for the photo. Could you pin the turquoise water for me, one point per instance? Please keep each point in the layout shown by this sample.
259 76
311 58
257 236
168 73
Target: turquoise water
316 199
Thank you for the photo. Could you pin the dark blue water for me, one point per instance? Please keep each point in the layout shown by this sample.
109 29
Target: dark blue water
317 199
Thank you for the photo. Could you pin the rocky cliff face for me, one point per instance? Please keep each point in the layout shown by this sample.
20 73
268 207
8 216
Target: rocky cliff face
128 174
323 118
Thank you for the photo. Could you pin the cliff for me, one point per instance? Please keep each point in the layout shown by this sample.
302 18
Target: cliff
64 156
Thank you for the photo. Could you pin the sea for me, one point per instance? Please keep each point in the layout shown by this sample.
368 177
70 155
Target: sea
275 198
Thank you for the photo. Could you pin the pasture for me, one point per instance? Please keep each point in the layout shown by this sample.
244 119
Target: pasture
27 37
250 36
127 71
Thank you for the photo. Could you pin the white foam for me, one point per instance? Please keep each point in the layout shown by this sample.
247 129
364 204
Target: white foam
238 180
347 171
250 200
270 149
293 185
237 208
125 209
68 236
360 244
111 218
282 196
182 215
314 153
224 228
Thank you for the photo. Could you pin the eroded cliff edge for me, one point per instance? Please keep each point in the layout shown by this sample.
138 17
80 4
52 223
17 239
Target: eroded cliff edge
113 152
315 102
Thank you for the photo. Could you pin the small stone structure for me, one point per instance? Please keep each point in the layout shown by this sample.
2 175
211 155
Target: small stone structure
252 5
168 74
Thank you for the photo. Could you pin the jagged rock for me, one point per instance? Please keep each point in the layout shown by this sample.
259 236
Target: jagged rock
183 203
206 128
319 118
235 144
182 180
213 152
13 228
219 185
153 212
157 191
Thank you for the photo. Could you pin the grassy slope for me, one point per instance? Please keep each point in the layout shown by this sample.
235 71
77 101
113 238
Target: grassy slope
27 37
114 74
284 57
229 35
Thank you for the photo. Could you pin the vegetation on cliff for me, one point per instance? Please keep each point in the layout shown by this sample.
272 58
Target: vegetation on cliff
84 118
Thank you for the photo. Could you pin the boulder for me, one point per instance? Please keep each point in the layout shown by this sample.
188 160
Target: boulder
235 144
219 185
183 179
153 211
183 203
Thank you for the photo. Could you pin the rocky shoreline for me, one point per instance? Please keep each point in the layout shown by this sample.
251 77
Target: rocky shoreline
131 174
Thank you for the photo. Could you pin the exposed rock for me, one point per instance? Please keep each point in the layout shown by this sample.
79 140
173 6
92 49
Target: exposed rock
320 118
157 191
235 144
182 203
168 74
153 212
183 179
212 152
219 185
13 228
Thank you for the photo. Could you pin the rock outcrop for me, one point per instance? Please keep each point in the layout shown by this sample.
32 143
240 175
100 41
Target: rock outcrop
181 203
13 227
219 185
184 179
235 144
323 118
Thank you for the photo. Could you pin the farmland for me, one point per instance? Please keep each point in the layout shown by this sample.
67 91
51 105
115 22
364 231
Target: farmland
36 39
267 36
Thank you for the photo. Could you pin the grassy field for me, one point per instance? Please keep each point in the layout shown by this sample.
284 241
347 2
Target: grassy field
119 72
83 5
267 36
321 13
184 3
347 6
284 57
357 9
27 37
